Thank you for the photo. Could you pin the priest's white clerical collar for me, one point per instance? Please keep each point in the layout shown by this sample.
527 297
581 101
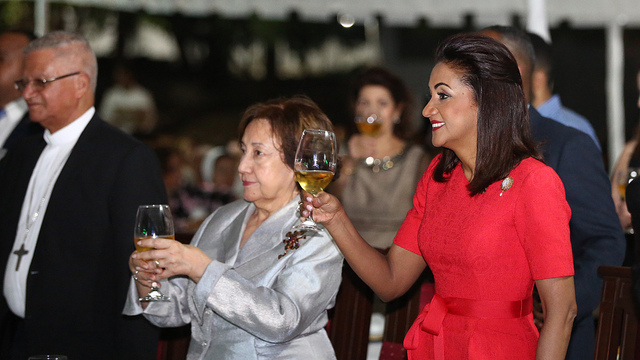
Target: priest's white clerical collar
71 132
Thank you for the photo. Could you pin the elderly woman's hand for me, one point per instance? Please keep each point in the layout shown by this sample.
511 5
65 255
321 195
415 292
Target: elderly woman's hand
168 258
143 272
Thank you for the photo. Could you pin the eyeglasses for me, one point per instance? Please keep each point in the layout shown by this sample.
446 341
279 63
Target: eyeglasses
39 84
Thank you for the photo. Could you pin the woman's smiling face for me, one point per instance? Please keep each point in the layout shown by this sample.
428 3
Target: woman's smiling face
452 110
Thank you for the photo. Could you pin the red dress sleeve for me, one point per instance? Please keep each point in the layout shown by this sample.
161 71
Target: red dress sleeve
407 236
542 217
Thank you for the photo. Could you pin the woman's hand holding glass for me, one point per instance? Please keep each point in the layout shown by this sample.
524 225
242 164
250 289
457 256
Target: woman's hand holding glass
325 207
168 258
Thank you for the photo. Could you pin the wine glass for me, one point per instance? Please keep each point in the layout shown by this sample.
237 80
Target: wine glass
153 221
369 124
315 166
624 178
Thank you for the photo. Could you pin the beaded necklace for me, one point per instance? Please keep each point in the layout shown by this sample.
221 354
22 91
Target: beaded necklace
385 163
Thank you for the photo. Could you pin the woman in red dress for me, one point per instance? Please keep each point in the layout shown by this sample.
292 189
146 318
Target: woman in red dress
488 216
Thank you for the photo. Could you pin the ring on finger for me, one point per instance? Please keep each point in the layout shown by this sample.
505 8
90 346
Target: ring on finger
135 276
157 263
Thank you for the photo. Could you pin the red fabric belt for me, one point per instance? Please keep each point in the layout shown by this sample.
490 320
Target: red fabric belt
431 317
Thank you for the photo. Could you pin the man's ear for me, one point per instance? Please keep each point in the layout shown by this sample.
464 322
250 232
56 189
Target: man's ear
82 84
539 80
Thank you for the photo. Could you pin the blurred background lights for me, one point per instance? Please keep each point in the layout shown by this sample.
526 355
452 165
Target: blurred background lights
346 20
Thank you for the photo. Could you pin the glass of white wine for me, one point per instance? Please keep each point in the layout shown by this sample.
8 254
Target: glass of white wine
369 124
153 221
315 166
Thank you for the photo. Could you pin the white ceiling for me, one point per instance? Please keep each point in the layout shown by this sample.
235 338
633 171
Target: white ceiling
582 13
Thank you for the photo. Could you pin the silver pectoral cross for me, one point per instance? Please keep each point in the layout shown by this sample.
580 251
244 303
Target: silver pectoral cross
20 252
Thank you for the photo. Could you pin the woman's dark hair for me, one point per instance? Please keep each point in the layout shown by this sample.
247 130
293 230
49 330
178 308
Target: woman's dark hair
288 117
399 91
504 135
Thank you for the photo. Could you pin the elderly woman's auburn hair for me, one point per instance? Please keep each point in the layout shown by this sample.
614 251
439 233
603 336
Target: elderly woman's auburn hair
504 136
288 117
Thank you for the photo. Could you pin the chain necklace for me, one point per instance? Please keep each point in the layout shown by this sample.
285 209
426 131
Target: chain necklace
32 216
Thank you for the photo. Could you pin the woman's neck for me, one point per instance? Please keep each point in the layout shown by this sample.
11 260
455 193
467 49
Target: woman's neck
389 145
468 163
268 208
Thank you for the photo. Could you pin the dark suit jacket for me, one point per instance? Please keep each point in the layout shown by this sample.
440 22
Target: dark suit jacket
596 234
79 275
25 128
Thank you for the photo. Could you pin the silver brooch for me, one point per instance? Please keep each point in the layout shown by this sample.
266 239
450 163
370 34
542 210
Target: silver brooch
506 184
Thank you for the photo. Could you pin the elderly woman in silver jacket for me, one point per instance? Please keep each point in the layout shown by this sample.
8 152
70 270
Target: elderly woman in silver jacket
242 300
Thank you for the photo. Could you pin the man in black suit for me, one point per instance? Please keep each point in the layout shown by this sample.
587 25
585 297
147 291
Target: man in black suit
596 235
69 200
14 121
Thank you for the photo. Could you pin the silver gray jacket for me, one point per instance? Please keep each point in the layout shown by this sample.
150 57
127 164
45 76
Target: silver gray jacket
249 304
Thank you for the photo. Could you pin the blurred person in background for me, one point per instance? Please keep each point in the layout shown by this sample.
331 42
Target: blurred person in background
127 105
218 169
542 96
383 166
14 119
225 170
596 235
626 169
69 200
633 204
245 295
188 203
379 176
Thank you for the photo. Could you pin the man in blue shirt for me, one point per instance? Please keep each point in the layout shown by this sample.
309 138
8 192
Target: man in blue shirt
542 97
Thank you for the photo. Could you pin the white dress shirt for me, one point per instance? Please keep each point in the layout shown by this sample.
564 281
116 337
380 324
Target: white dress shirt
45 173
15 110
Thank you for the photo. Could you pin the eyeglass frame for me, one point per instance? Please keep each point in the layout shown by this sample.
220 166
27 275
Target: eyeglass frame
40 84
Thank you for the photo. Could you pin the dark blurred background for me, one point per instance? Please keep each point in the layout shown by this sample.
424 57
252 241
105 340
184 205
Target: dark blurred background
204 71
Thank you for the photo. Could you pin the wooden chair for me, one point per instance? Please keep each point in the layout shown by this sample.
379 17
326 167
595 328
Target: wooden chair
617 333
174 343
348 327
349 320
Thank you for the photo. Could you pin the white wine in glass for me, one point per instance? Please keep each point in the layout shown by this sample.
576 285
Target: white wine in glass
369 124
153 221
315 166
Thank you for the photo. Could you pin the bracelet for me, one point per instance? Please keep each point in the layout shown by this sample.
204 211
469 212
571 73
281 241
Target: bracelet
135 276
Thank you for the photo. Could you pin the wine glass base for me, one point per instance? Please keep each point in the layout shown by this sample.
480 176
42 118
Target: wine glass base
155 295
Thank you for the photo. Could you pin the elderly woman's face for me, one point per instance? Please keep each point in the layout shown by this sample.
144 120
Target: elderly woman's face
452 110
267 180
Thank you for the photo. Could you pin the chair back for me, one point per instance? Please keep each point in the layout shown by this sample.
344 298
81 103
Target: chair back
349 320
618 324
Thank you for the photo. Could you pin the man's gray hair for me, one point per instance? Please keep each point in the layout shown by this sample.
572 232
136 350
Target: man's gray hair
60 40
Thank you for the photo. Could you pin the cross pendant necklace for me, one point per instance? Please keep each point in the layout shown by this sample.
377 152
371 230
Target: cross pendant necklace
22 251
